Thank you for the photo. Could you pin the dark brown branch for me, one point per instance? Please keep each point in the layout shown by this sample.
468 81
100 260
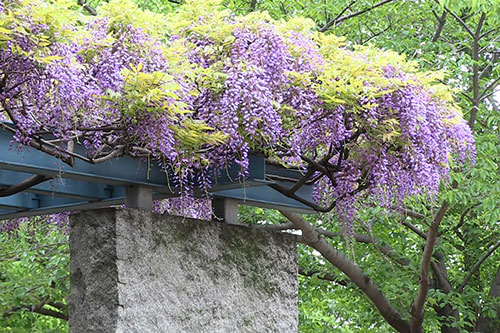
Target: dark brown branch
490 86
475 72
414 229
459 20
51 313
486 33
360 238
376 34
476 266
339 20
253 5
37 309
285 191
302 180
89 9
58 305
323 276
442 283
439 29
339 15
467 96
487 70
409 212
417 307
24 185
353 271
461 220
42 146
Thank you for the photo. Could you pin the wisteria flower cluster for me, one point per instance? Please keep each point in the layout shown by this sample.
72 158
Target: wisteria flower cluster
203 89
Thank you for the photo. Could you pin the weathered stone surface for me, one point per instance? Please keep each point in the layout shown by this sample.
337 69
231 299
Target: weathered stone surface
134 271
93 302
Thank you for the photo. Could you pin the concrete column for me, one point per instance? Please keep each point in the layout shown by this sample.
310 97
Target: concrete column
135 271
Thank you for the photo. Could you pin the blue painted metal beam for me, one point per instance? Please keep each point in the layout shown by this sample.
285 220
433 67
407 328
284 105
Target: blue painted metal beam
264 196
63 187
121 171
88 186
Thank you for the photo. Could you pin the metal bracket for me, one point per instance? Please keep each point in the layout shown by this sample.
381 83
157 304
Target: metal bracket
139 197
225 209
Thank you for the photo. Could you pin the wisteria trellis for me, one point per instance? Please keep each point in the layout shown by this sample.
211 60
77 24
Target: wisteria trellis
203 89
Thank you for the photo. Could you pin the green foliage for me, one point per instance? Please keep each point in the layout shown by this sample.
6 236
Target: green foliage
472 225
468 230
34 270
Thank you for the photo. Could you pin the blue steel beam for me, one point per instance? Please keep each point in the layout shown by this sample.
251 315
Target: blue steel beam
28 204
74 206
266 197
61 187
88 186
121 171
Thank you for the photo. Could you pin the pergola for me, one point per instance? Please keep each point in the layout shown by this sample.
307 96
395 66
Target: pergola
132 182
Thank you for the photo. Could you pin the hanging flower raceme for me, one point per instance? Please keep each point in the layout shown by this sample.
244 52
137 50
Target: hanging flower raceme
203 89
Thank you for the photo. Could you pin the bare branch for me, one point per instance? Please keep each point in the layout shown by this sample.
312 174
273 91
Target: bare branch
376 34
461 220
490 86
89 9
467 96
285 191
339 20
360 238
37 309
459 20
409 212
441 23
353 271
116 152
414 229
486 33
24 185
346 8
475 73
323 276
417 308
58 305
51 313
476 266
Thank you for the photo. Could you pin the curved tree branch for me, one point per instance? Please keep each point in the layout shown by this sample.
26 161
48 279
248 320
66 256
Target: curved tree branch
24 185
339 20
323 276
360 238
417 308
414 229
285 191
441 23
89 9
476 266
37 309
353 271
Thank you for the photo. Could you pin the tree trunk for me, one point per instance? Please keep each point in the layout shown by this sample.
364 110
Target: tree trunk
442 283
486 324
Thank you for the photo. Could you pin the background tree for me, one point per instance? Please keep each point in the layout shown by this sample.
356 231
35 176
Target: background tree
464 41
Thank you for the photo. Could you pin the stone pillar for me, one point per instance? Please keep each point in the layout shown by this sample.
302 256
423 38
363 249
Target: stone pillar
136 271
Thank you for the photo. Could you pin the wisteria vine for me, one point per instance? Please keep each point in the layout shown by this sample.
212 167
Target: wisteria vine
204 89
